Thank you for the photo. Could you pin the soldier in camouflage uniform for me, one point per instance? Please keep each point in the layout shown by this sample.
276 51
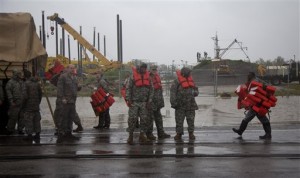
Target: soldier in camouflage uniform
32 97
57 113
156 105
104 117
139 93
14 95
67 88
183 92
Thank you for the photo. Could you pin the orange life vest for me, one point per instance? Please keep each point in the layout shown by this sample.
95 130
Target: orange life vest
140 81
156 82
258 97
101 101
185 82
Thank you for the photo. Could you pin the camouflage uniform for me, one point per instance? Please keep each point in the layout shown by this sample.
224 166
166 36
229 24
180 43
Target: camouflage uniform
57 113
140 99
32 95
183 101
14 96
155 114
104 117
67 87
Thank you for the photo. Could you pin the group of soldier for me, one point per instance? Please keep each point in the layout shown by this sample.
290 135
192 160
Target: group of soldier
143 94
24 97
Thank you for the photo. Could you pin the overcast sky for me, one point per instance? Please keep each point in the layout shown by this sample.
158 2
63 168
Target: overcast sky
162 31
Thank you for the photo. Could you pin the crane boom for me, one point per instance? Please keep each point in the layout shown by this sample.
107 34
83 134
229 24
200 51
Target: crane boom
101 59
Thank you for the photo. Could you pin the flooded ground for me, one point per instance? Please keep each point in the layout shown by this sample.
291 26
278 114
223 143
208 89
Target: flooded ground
212 112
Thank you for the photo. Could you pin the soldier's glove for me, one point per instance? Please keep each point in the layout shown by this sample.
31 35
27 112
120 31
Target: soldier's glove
129 103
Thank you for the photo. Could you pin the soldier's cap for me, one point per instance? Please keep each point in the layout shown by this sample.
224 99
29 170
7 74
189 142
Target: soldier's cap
143 65
153 67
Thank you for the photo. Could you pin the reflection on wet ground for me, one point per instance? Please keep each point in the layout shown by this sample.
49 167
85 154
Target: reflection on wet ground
212 112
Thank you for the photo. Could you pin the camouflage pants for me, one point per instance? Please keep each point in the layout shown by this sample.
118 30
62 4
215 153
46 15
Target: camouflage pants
180 115
138 109
14 118
155 115
32 121
57 116
67 116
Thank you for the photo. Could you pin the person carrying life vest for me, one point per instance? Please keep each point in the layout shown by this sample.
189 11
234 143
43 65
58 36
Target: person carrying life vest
183 92
106 100
254 105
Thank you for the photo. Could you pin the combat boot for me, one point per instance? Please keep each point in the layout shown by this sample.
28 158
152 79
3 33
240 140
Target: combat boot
143 138
130 139
37 136
242 128
267 128
150 136
78 129
192 136
163 135
177 137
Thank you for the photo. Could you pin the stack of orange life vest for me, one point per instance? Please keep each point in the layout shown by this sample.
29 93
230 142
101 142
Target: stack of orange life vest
101 101
257 96
53 73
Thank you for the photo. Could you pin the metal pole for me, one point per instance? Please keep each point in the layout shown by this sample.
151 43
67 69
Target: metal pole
43 30
56 36
80 52
118 36
121 43
63 40
69 50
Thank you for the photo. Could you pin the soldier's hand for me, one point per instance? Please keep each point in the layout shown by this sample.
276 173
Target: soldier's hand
64 101
129 103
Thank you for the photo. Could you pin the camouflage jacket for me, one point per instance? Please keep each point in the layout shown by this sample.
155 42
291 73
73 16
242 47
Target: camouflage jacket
158 98
182 98
32 95
67 87
14 91
138 94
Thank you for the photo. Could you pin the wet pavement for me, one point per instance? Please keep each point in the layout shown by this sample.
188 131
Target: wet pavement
216 152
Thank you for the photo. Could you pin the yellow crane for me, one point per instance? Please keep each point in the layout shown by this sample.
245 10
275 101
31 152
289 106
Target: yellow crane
103 61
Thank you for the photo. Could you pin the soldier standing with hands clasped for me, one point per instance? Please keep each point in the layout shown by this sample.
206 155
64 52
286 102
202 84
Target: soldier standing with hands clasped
183 93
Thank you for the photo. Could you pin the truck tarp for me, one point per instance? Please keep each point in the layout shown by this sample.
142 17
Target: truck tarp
19 41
